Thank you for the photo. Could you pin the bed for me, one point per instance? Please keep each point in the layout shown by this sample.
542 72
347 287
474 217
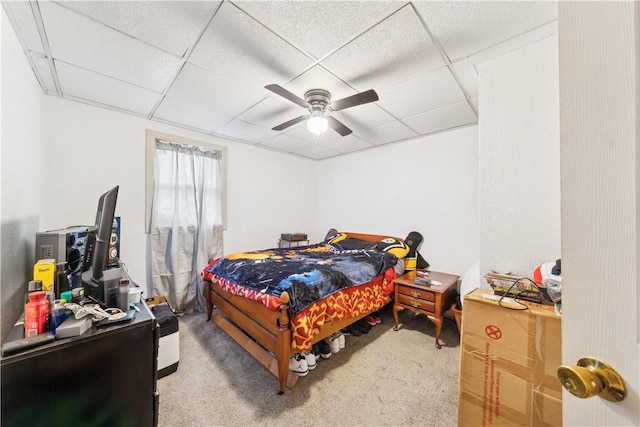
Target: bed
278 302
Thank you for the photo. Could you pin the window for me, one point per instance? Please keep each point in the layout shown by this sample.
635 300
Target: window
185 215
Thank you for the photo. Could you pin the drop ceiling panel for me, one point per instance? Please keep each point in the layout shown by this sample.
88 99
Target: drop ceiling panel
317 152
269 113
464 28
205 89
316 27
168 25
466 68
286 143
21 15
43 70
242 50
394 51
467 75
475 105
238 129
104 90
424 93
301 132
192 114
385 134
347 144
85 43
319 78
448 117
363 116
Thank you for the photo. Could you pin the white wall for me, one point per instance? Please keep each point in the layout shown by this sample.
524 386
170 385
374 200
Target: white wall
89 150
429 185
22 187
519 157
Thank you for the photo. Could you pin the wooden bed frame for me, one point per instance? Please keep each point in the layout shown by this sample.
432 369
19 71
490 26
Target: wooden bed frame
264 333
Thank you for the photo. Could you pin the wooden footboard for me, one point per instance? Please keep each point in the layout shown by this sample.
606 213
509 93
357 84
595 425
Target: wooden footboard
264 333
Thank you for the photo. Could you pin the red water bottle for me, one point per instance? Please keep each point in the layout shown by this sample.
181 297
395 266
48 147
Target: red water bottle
35 314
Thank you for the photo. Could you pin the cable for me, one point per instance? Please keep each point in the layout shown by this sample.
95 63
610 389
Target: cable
516 295
95 311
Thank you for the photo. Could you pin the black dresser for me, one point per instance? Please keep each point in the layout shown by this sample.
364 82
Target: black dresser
105 377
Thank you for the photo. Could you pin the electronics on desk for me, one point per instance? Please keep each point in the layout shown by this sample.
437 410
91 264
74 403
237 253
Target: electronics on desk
100 281
75 264
64 245
114 244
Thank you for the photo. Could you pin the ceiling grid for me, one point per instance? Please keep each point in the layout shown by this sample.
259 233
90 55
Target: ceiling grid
205 65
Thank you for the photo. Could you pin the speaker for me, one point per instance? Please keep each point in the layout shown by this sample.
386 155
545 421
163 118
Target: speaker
114 244
68 244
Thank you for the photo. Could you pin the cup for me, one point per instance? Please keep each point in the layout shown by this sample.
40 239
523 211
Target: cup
135 295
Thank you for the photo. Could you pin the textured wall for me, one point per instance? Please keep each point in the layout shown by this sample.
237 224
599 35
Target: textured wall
520 159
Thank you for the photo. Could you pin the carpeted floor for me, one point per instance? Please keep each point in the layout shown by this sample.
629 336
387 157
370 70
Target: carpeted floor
385 377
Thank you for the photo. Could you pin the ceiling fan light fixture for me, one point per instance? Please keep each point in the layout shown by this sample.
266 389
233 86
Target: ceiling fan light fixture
317 123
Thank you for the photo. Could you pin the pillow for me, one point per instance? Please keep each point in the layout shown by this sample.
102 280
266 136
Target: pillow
393 246
334 237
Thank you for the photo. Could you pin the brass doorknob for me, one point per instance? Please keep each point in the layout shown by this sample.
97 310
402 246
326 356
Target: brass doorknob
592 377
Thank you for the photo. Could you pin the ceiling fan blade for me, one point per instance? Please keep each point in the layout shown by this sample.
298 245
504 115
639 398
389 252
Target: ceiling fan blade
279 90
337 125
290 123
353 100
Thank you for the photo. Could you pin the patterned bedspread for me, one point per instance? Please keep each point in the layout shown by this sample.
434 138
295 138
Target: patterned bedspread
324 283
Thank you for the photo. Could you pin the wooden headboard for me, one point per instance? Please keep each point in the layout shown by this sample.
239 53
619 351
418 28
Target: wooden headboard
370 237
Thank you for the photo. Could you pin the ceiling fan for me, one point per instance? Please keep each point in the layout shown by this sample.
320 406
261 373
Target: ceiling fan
318 102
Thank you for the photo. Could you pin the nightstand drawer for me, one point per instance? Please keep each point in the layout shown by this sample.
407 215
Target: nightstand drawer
416 293
419 304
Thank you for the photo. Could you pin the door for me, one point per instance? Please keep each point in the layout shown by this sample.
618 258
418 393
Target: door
599 127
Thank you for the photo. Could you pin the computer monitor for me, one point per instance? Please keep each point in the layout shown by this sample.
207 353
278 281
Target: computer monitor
104 222
98 281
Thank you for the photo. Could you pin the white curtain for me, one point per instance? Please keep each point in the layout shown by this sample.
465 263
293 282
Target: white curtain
186 221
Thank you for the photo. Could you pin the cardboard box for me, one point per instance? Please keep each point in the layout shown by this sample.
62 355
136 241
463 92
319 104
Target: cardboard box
508 364
160 299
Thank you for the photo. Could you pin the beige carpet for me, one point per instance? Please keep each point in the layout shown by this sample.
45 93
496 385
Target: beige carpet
381 378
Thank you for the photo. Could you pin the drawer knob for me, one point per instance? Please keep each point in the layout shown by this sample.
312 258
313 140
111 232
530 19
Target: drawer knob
415 304
415 294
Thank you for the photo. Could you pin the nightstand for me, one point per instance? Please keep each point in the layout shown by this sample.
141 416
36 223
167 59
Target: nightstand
430 300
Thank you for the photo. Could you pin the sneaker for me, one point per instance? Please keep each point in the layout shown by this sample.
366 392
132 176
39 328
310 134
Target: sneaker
298 364
373 320
334 344
361 325
311 359
341 339
350 330
323 349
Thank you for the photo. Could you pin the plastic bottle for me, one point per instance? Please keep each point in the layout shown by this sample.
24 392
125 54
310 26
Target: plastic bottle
62 283
35 314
